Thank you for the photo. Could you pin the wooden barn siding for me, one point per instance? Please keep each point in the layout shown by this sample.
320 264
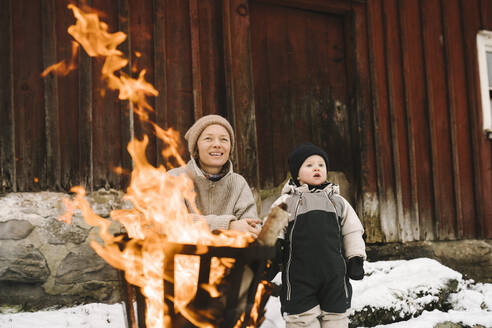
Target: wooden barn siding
433 162
423 148
61 131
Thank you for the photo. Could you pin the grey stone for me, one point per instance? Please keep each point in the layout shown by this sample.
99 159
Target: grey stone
60 233
84 266
371 316
23 264
21 297
15 229
473 258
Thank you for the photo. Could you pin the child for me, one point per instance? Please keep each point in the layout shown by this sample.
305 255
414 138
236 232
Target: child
322 245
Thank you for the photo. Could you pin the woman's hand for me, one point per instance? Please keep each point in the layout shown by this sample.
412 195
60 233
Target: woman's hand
253 226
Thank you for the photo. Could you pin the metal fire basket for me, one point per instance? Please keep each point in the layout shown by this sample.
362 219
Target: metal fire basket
225 312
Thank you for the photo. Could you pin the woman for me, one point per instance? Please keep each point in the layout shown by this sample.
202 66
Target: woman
222 196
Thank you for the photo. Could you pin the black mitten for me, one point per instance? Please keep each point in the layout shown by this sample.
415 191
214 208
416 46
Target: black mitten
276 263
355 268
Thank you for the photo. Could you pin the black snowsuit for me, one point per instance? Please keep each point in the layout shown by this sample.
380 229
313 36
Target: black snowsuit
314 268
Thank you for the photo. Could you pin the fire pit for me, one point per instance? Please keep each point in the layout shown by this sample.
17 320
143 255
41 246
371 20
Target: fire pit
238 288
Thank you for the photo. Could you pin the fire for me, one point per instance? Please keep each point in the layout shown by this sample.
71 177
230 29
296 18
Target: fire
62 68
159 215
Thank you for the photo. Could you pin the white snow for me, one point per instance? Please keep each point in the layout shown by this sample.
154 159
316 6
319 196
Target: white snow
403 285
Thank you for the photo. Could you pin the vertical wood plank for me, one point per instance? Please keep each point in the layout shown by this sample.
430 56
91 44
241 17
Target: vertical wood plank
485 146
383 133
195 59
126 114
106 122
471 25
238 50
50 83
141 53
264 106
68 100
368 176
460 117
418 120
179 66
211 57
28 96
405 181
440 123
85 119
7 124
160 73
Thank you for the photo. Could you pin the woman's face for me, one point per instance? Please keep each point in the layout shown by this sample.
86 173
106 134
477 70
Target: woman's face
214 146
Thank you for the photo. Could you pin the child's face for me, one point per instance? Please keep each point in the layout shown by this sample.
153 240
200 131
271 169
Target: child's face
313 171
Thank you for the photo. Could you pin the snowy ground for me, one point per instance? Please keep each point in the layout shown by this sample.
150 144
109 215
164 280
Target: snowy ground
402 285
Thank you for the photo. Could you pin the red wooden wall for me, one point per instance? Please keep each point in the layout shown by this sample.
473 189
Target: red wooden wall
423 167
432 153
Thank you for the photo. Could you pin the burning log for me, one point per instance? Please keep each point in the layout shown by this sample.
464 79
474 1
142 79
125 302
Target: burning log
275 222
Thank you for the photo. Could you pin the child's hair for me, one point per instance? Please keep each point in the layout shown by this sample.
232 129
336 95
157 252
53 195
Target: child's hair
299 155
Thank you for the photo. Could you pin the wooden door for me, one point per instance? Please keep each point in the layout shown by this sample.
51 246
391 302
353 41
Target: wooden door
302 85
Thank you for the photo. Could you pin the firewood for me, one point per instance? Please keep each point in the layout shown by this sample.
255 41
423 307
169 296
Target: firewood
275 222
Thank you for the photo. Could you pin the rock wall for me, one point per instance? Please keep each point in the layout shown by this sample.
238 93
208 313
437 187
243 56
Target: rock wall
45 262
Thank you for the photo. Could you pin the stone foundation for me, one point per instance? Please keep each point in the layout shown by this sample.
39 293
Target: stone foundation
473 258
46 263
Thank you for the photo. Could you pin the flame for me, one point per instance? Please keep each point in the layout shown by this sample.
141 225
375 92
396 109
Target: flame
160 215
61 68
261 291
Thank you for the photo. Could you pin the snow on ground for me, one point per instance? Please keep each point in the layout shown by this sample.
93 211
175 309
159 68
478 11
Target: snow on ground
403 285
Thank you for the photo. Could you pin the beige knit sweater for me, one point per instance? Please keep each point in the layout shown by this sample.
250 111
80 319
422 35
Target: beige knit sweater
222 201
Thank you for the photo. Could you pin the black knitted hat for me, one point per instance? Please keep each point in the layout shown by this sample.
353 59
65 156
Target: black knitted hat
299 155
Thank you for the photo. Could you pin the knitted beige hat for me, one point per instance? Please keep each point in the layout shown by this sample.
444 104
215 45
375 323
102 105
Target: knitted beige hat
196 130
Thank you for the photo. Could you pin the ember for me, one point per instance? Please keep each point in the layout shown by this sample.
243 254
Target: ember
187 274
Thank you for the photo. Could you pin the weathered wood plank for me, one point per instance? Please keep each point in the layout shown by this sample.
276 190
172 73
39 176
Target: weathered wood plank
141 47
440 126
293 85
7 134
240 79
179 79
384 137
85 119
364 131
460 118
406 199
471 25
211 57
418 121
485 145
30 147
106 143
126 114
51 106
68 103
195 59
332 6
260 30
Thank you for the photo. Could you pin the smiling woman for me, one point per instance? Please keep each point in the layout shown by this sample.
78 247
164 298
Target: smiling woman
223 197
